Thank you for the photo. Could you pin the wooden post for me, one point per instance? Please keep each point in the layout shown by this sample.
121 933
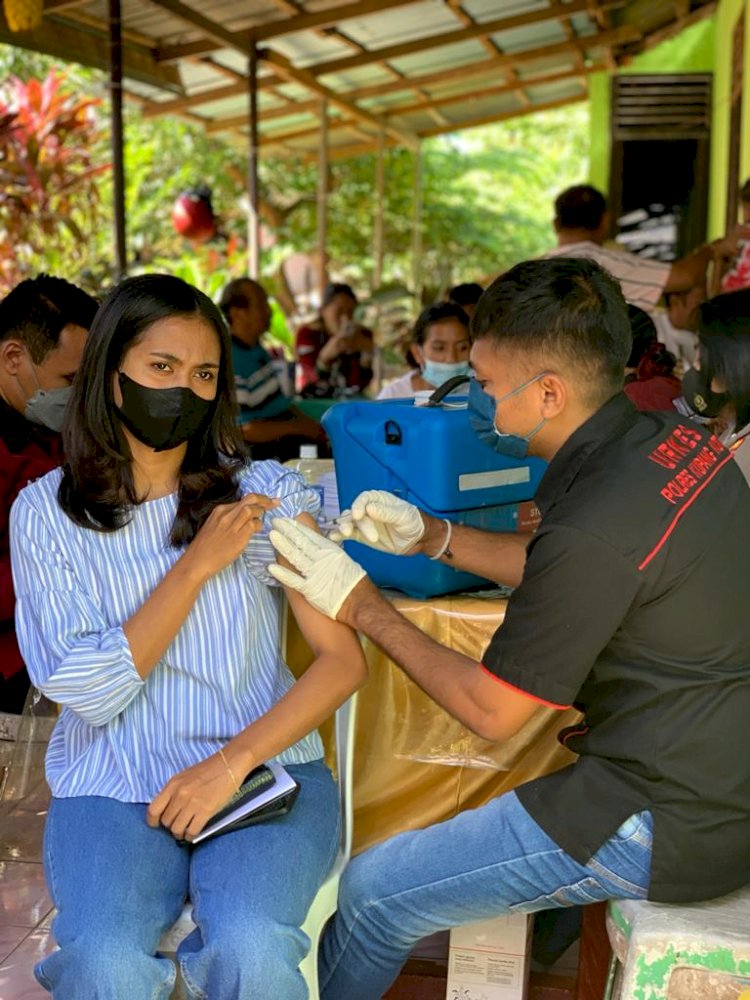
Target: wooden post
253 221
416 235
118 142
323 196
379 233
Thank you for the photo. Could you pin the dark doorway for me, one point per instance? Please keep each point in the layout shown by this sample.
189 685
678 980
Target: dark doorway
660 163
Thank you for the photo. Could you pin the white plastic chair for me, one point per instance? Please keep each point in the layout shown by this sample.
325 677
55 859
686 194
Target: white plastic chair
324 904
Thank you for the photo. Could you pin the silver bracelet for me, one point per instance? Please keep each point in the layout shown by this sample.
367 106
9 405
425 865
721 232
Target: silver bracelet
445 548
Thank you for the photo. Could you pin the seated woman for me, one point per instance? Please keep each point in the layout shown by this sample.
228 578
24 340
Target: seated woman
650 380
440 345
146 612
717 388
334 353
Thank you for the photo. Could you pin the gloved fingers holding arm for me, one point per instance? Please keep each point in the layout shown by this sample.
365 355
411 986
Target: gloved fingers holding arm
322 572
382 521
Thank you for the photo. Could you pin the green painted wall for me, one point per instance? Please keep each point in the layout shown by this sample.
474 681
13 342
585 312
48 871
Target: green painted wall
726 19
692 51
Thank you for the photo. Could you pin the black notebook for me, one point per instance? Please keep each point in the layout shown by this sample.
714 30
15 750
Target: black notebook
266 792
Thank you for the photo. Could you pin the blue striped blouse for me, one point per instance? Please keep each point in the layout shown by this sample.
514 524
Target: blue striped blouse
118 735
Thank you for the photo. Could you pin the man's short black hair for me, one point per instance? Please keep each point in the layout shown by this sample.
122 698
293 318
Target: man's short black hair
467 294
745 192
580 207
564 310
37 309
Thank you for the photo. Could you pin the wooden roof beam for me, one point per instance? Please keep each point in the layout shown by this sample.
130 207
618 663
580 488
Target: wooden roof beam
571 34
304 20
348 152
489 46
211 29
170 53
238 121
551 13
87 45
601 16
606 40
628 33
676 26
293 7
508 88
284 68
503 116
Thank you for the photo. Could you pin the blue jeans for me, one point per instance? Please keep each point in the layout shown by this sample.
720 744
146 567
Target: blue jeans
118 885
483 863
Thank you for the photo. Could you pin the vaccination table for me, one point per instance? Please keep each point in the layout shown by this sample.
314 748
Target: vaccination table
414 765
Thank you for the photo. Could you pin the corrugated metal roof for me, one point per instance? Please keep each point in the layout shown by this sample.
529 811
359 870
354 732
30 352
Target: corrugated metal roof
410 67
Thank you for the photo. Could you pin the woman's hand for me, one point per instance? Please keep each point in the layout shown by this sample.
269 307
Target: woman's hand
225 533
190 798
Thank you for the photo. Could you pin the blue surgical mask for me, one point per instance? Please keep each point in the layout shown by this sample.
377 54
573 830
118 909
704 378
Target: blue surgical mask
437 373
482 409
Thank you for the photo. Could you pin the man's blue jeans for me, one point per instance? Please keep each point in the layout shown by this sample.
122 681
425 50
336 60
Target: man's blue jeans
118 885
483 863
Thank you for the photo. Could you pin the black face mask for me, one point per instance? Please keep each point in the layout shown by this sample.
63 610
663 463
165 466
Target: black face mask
696 388
161 418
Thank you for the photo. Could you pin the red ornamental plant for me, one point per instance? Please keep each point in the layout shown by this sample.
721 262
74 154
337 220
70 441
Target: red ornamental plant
48 190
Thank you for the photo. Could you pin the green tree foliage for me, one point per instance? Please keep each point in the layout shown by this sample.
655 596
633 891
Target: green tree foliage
487 196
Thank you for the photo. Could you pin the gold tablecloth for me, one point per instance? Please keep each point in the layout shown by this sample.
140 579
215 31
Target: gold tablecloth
414 765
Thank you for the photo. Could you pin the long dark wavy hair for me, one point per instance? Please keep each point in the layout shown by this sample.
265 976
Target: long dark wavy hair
97 489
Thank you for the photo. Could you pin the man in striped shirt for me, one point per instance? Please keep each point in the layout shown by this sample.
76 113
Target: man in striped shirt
269 421
582 226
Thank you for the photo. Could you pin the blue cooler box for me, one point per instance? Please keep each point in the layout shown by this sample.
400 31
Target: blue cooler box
431 457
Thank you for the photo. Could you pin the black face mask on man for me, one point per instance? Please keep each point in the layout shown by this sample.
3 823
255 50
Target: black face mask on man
696 388
161 418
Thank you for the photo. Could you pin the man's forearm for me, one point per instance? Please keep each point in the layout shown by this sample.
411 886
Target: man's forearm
687 272
446 676
498 556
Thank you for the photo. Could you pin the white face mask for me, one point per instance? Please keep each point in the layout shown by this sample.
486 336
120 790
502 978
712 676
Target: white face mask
437 373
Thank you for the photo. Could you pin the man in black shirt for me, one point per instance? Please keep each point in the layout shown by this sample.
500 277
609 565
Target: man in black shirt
630 605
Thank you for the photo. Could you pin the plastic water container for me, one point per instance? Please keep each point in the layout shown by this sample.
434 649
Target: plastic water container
314 471
430 456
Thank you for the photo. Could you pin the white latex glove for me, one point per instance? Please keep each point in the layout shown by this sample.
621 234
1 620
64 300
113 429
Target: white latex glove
382 521
325 574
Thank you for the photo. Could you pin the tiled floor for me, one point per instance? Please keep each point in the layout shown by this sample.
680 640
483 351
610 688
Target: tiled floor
25 907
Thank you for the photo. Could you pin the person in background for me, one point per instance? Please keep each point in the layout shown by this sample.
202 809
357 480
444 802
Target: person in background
146 612
736 275
440 345
677 326
717 387
582 225
335 352
650 382
43 326
467 296
268 419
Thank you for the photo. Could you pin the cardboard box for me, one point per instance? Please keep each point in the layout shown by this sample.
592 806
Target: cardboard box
489 960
